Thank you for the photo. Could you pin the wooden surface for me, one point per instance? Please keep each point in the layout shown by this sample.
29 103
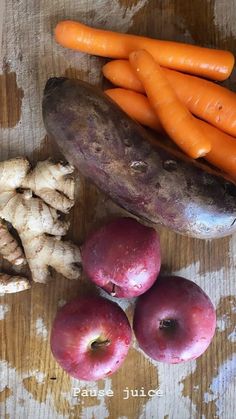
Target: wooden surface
31 384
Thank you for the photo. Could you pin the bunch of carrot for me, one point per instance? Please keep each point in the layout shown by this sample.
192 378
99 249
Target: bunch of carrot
197 114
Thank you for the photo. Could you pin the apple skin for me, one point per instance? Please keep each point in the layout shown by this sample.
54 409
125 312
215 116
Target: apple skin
124 253
193 320
83 321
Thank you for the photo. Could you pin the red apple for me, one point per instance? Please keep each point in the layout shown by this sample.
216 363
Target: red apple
174 321
123 257
90 337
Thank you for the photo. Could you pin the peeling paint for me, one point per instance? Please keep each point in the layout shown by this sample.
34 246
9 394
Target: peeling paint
216 284
40 328
100 410
232 336
40 376
223 322
220 383
4 308
123 302
13 380
171 390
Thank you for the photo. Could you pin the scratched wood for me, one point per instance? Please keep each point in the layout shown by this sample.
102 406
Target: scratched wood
31 384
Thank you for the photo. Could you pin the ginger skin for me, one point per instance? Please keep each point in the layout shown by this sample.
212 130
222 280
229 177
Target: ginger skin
30 201
10 284
48 182
9 247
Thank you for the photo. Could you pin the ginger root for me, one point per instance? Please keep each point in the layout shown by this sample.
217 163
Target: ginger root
9 247
10 284
48 181
30 201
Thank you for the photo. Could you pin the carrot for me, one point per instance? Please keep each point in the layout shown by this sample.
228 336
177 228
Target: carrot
175 118
136 106
223 146
205 99
223 149
210 63
120 73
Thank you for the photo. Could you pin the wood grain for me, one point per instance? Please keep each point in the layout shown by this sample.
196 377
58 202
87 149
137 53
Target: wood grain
32 385
2 10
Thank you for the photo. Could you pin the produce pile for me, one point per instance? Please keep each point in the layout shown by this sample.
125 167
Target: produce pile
171 96
174 320
189 186
161 86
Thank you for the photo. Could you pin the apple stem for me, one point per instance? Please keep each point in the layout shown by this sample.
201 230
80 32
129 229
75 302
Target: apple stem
99 344
113 291
167 324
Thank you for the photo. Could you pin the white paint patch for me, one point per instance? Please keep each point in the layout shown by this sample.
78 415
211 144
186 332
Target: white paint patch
232 336
223 323
216 284
20 400
123 302
232 250
40 376
41 330
99 410
224 18
219 386
170 377
61 302
4 308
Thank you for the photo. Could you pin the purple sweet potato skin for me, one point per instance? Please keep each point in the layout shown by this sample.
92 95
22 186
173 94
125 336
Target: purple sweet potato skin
112 150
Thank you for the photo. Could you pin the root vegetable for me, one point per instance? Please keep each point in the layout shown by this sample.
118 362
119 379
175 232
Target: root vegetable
223 146
9 247
111 149
136 106
207 100
10 284
35 217
206 62
175 118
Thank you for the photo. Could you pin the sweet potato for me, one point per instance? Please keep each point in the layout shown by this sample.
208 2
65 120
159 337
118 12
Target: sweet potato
149 180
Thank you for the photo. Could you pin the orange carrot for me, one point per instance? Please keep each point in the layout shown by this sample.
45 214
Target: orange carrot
136 106
120 73
211 63
175 118
223 146
205 99
223 149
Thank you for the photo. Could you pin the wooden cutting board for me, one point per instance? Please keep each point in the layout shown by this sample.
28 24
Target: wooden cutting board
31 383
